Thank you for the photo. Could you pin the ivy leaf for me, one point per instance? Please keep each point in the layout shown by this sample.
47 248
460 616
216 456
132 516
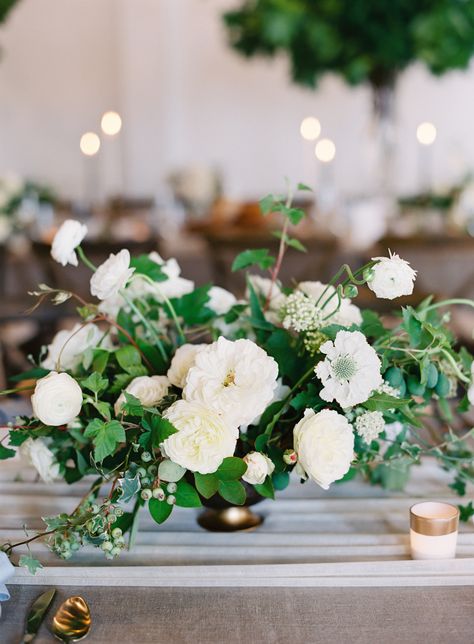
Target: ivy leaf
186 496
161 429
267 204
206 484
129 485
170 472
159 510
466 511
30 562
257 257
295 215
232 491
5 452
304 187
132 406
266 488
95 383
290 241
231 468
105 437
17 437
192 306
128 357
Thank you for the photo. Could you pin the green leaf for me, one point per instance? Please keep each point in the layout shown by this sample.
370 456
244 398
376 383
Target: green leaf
372 326
170 472
132 406
143 265
130 486
30 562
304 187
100 360
5 452
128 357
295 215
186 496
290 241
466 511
261 442
206 484
33 374
257 257
105 437
103 408
266 488
232 491
17 437
267 204
159 510
231 468
95 383
192 306
161 429
384 402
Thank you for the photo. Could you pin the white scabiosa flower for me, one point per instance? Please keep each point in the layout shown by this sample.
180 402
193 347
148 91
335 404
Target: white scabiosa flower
182 362
203 439
351 370
112 275
235 379
57 399
37 453
70 234
149 390
69 346
346 315
392 277
369 425
220 300
259 466
324 442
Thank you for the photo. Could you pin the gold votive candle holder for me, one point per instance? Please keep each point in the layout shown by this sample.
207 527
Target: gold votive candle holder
433 530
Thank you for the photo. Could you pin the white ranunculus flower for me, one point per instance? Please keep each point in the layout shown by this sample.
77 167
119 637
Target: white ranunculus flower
393 277
182 362
236 379
69 346
348 313
470 391
324 442
112 275
351 370
174 286
148 389
57 399
220 300
259 466
38 454
111 306
70 234
262 287
203 438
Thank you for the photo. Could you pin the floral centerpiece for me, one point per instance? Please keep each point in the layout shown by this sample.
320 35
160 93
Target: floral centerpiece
171 395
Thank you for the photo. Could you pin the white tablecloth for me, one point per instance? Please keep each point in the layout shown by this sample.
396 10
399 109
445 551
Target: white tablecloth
353 535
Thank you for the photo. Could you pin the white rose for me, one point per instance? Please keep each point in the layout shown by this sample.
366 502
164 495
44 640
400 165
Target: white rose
57 399
259 467
203 438
393 277
324 443
66 240
220 300
112 275
182 362
236 379
148 389
36 453
69 346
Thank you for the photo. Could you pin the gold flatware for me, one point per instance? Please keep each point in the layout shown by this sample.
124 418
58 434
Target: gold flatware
72 621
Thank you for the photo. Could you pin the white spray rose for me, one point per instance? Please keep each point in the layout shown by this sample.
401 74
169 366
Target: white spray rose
149 390
182 362
203 438
259 466
38 454
324 443
69 346
70 234
220 300
393 277
112 275
57 399
236 379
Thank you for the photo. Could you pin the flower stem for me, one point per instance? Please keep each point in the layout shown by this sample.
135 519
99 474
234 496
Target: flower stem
145 323
85 259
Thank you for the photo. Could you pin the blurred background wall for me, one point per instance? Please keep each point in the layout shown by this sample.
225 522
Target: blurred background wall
186 97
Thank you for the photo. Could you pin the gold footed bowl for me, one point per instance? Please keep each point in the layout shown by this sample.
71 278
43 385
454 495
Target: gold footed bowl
221 516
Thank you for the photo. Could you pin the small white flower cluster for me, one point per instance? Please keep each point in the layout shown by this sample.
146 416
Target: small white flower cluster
301 313
385 388
369 425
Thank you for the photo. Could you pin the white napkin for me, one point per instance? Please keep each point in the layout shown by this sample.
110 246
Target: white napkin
6 571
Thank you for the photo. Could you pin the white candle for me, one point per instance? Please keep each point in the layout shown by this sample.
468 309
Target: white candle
433 530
